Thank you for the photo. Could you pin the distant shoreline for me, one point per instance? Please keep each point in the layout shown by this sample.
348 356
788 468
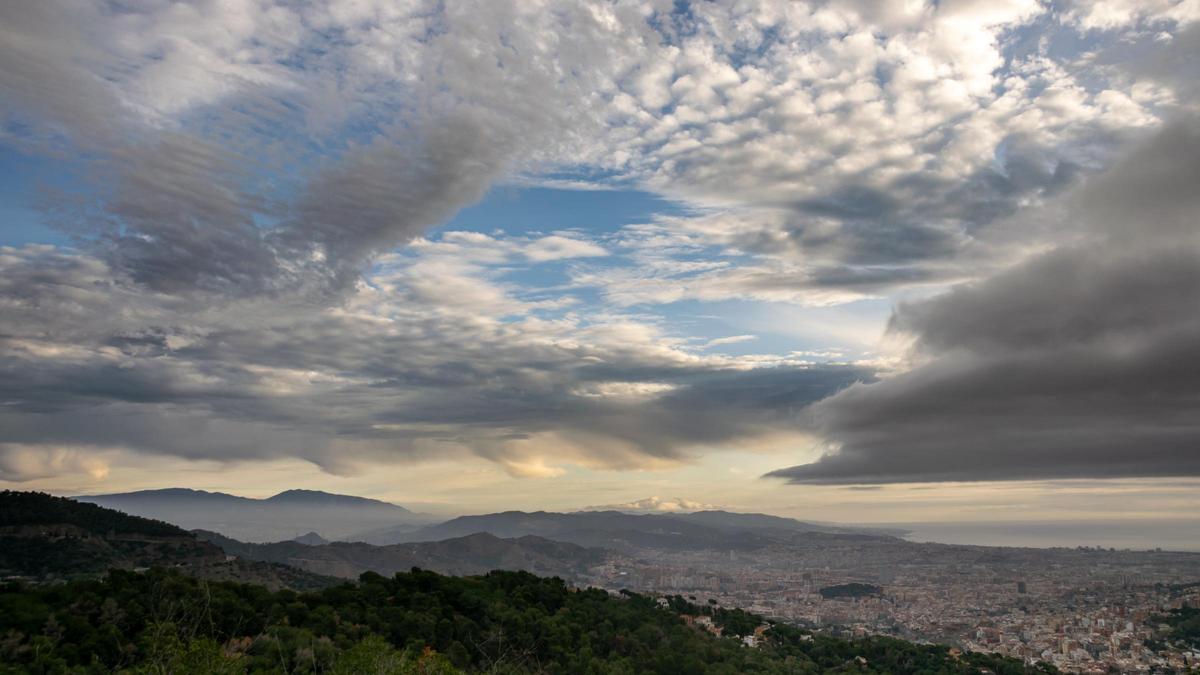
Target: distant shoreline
1182 535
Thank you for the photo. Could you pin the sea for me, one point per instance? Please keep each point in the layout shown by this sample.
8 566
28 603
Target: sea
1169 535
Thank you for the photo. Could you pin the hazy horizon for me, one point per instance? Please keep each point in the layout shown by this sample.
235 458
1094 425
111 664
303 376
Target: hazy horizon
1180 533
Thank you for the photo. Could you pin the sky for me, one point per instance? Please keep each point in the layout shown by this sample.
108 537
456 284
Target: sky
849 260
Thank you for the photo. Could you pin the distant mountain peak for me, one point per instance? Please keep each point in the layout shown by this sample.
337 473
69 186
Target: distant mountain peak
320 497
275 518
311 539
293 497
301 493
167 492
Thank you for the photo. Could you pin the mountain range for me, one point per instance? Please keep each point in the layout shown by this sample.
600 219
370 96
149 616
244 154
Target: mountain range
316 518
477 553
283 516
622 531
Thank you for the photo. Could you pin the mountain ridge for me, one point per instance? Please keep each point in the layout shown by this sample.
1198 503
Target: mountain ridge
476 553
620 530
299 513
292 495
285 515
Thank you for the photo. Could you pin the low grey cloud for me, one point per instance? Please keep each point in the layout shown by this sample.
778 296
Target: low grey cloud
397 373
1079 363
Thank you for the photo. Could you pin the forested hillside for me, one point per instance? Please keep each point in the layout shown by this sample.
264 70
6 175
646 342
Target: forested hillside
44 536
47 538
37 508
504 622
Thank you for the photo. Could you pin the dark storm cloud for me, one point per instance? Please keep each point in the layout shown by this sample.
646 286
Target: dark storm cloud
1080 363
1077 296
1151 194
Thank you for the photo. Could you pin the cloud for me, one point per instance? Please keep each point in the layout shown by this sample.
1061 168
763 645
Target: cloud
656 505
1112 14
251 194
248 151
839 151
869 143
730 340
423 359
21 463
854 148
558 247
1079 363
176 218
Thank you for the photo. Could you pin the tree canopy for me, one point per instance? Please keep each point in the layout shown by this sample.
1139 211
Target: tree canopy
417 622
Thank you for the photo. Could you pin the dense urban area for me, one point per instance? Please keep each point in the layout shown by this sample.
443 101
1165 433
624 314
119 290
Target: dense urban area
1087 610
